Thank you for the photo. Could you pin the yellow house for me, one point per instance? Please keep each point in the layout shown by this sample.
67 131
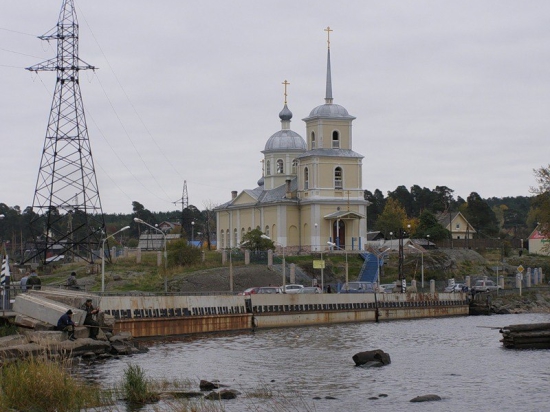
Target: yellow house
457 224
310 192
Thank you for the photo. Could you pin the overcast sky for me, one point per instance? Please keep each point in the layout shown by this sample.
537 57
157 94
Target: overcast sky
453 93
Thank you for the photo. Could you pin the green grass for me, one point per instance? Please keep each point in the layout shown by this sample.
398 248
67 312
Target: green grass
8 330
42 385
135 386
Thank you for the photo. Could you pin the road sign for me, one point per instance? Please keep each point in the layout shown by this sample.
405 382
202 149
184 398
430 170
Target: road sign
520 269
318 264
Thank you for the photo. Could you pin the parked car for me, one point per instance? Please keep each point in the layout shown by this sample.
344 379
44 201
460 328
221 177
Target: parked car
386 288
310 289
457 287
249 291
484 286
269 290
357 287
293 288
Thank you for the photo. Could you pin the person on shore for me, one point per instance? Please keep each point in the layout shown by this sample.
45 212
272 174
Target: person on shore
89 320
72 283
329 289
33 281
23 282
66 324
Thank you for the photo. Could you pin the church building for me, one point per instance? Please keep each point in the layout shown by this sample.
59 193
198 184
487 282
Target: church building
310 192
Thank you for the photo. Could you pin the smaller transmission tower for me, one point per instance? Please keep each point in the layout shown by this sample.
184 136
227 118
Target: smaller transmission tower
184 204
62 224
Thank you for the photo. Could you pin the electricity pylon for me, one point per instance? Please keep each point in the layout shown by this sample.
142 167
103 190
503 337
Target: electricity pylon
67 168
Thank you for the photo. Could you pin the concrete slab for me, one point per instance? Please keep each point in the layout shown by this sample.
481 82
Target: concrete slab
31 323
13 340
43 309
46 337
71 298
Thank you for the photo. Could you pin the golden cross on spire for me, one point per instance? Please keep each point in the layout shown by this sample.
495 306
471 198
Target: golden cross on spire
328 30
286 84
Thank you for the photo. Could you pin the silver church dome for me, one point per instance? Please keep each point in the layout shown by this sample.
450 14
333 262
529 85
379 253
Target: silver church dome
284 140
331 111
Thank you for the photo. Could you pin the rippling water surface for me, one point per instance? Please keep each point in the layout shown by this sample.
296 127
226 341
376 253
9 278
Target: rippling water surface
459 359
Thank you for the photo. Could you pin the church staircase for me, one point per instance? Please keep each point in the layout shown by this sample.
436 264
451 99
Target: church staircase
369 270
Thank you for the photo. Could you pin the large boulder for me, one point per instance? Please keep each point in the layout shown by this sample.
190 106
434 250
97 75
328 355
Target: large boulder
205 385
372 358
426 398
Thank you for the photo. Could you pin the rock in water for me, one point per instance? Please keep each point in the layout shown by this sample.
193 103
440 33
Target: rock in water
375 357
207 385
426 398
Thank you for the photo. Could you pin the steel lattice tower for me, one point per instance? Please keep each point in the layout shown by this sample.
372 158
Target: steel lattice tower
68 215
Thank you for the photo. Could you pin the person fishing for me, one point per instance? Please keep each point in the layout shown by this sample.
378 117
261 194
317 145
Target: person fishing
89 320
66 324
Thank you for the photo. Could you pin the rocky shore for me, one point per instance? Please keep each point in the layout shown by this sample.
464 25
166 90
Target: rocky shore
537 301
55 344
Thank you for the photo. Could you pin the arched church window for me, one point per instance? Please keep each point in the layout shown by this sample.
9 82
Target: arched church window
335 139
312 140
267 168
306 178
242 235
222 239
338 178
294 166
267 231
235 237
280 166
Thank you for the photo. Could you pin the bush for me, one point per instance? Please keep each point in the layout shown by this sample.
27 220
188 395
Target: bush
8 329
182 254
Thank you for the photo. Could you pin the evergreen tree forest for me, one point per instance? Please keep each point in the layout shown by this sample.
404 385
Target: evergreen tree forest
415 207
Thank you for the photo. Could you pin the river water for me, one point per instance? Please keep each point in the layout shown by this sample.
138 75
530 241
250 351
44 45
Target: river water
459 359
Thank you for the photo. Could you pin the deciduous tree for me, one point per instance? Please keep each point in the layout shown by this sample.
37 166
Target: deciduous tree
541 203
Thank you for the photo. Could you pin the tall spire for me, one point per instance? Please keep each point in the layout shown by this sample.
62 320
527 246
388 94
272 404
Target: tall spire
328 94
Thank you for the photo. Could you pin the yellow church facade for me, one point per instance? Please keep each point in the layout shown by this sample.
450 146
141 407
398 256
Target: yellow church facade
310 191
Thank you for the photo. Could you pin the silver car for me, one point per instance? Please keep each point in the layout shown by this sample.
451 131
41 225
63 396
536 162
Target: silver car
293 288
485 286
310 289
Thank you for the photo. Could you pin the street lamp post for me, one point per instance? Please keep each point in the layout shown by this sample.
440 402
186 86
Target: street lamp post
138 220
284 261
332 244
421 265
192 232
103 257
230 272
402 260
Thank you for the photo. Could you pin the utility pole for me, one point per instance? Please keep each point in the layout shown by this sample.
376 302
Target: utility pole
67 166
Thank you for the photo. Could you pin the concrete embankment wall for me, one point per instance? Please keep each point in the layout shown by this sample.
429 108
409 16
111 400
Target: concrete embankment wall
293 310
172 315
152 315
